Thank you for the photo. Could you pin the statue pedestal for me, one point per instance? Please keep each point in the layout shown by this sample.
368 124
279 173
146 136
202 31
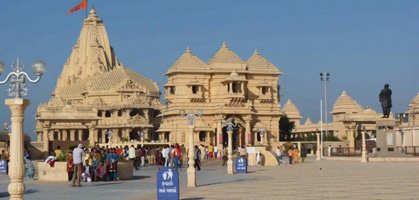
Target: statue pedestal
386 135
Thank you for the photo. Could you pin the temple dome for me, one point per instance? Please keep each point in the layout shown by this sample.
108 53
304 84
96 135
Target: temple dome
188 61
345 104
225 59
308 121
258 62
291 110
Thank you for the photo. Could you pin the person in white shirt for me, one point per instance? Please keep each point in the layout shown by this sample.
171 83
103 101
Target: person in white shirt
165 154
278 153
77 160
215 152
131 156
329 150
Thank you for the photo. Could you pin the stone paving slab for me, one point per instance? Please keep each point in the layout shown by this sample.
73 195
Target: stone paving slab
306 181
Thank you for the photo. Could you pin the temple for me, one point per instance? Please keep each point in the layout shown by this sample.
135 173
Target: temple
226 88
97 99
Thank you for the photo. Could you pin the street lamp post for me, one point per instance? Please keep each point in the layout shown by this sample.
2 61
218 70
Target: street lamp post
364 157
190 117
230 127
325 76
412 115
17 107
318 145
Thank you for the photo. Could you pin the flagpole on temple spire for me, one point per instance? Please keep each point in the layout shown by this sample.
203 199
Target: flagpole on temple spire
87 7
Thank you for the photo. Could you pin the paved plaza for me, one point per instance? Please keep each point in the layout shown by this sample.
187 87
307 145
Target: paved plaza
310 180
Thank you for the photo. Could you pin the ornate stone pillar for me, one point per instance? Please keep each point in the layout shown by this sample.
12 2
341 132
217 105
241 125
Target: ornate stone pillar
45 138
80 134
72 134
103 136
17 166
92 136
219 133
64 135
59 136
39 139
248 130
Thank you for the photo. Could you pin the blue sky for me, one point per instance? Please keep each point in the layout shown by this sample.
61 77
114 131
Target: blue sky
362 44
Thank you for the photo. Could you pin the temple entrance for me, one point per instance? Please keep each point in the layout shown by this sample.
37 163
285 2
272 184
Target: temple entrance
134 134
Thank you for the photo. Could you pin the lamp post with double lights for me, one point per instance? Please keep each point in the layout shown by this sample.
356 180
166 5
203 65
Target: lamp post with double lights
230 127
17 107
191 117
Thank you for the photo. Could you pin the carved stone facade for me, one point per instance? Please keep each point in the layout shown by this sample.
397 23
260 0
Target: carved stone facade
96 93
225 88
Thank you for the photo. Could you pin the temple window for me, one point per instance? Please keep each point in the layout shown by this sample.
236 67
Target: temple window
119 113
99 113
195 89
108 113
265 90
236 87
172 90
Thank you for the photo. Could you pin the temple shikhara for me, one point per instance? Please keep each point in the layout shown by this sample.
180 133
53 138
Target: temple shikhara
226 88
95 95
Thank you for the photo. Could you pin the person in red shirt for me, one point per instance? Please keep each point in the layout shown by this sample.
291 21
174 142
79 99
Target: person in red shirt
70 165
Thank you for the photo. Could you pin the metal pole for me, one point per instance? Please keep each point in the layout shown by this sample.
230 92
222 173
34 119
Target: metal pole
321 129
325 102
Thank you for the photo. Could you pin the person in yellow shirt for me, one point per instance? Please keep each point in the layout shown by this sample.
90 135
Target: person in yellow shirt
210 151
58 152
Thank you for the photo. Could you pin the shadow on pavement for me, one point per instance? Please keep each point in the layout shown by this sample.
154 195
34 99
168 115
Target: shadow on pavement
194 198
6 194
140 177
238 180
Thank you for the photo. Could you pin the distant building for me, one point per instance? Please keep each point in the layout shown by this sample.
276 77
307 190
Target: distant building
348 119
408 132
96 93
225 89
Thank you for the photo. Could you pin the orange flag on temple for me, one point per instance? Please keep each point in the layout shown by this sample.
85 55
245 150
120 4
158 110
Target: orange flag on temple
82 5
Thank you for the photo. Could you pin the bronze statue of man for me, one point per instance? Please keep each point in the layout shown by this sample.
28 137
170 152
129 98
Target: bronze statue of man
385 99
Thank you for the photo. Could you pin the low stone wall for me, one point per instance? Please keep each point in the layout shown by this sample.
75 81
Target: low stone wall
56 173
267 157
387 159
59 171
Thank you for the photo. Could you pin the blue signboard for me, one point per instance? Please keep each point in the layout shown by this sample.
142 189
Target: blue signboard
240 165
3 166
167 184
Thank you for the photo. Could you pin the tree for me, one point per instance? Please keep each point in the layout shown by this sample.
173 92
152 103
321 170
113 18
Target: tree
285 128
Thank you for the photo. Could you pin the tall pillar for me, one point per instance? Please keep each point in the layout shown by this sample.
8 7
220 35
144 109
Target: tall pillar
191 169
59 136
17 166
103 136
64 134
72 134
364 157
45 139
230 169
80 134
39 139
248 132
92 136
219 134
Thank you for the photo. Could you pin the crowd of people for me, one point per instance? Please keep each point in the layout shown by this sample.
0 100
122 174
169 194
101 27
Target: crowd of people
101 163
